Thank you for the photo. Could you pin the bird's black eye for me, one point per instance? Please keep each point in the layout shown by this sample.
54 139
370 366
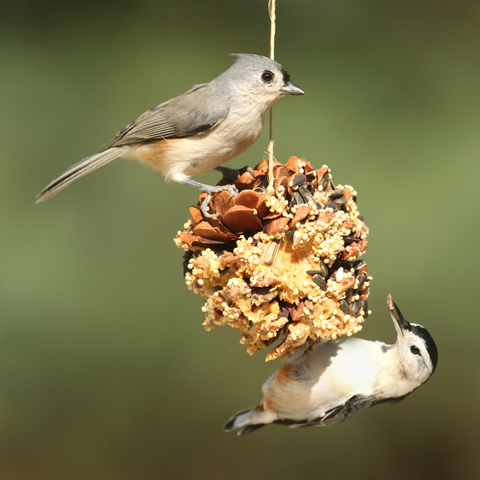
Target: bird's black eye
415 350
267 76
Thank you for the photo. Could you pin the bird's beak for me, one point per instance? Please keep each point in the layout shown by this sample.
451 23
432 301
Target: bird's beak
291 89
401 325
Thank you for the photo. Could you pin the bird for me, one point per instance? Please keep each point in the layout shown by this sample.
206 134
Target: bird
197 131
342 378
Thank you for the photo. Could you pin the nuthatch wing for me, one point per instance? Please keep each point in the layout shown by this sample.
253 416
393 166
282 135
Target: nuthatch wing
342 378
198 130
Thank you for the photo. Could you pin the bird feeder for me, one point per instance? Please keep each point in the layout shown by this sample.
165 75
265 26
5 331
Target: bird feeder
281 266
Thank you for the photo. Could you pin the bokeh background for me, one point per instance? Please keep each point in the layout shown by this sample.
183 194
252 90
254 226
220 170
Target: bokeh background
105 369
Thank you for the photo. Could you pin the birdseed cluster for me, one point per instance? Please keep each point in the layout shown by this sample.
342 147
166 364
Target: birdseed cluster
280 266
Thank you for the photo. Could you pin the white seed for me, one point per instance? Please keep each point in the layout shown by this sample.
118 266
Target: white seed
339 275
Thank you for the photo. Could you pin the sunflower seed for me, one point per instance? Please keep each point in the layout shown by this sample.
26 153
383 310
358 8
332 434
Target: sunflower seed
323 270
270 253
357 306
320 281
332 206
358 264
337 193
298 198
325 181
308 197
298 180
347 240
289 235
345 307
297 237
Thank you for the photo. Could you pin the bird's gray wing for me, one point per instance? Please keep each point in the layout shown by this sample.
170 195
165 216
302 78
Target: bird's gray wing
191 113
338 414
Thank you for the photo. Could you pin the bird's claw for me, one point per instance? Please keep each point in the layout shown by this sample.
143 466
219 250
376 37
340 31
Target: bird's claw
204 207
233 174
209 190
206 201
247 169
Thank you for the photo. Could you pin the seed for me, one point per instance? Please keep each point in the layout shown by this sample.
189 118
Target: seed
298 180
339 275
325 181
366 310
347 240
357 265
308 197
289 235
338 193
332 206
320 281
345 307
323 270
297 237
298 198
357 306
361 280
270 253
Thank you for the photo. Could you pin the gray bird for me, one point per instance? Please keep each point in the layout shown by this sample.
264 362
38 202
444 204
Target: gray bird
342 378
198 130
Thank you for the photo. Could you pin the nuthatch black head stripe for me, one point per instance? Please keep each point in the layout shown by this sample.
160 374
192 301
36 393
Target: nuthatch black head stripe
198 130
402 326
342 378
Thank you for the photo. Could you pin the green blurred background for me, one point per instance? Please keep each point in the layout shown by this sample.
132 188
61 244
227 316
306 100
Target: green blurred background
105 369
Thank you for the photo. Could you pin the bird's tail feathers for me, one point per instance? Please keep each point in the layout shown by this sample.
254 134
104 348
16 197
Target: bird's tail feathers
241 420
250 429
84 166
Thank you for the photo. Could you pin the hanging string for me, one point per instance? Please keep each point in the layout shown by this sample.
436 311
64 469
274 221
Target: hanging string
271 11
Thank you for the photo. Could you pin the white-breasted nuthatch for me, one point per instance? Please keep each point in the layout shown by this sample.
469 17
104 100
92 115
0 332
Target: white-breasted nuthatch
342 378
198 130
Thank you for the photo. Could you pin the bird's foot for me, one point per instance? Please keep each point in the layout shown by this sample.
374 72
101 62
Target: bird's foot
206 201
233 174
209 190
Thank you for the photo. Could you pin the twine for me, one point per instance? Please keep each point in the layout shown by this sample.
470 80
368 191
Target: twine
271 12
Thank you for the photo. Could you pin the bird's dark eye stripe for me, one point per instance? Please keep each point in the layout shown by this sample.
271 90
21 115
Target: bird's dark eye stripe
415 350
286 75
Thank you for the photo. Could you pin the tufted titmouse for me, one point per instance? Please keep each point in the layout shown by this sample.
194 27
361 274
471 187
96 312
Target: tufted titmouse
198 130
343 378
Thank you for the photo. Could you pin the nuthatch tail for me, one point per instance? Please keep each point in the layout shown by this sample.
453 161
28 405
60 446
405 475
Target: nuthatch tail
342 378
198 130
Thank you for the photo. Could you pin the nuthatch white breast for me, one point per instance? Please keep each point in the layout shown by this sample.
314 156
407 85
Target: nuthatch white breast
342 378
198 130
